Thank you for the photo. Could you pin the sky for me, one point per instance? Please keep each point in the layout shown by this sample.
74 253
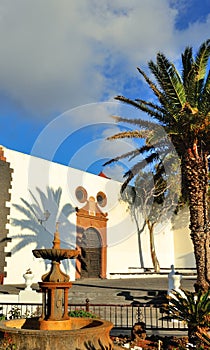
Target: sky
62 63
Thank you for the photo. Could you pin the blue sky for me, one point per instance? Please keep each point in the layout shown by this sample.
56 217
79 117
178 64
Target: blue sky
62 62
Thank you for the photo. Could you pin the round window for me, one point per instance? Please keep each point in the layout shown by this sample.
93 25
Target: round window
81 194
101 199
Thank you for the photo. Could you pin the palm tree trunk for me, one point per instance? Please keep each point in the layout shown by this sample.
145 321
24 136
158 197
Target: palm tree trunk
196 174
155 261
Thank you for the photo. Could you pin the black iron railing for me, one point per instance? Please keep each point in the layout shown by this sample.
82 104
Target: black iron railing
123 316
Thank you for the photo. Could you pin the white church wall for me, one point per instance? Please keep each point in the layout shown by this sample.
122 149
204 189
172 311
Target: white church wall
183 245
164 244
41 235
40 177
122 255
123 241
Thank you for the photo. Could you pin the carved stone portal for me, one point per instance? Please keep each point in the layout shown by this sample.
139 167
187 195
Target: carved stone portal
91 236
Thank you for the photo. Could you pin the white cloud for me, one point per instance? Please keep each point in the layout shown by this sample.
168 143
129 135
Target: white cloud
196 33
56 55
115 172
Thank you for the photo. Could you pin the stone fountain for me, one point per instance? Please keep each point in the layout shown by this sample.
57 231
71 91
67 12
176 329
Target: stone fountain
55 329
55 287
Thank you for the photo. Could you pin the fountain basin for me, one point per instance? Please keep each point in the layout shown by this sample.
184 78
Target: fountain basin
55 254
84 332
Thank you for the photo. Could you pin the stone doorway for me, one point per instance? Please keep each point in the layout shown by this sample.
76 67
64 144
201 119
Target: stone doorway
91 235
91 254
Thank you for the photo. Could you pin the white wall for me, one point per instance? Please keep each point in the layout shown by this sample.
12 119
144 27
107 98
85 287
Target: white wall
38 175
24 180
183 245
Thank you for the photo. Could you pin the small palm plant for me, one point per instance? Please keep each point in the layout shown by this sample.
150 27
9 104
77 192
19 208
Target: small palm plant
193 309
204 336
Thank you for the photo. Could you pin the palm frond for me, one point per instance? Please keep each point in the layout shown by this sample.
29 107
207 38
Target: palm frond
169 79
160 113
195 81
148 148
130 174
161 109
152 110
190 307
126 100
141 123
203 335
158 93
187 60
201 60
129 134
204 103
122 156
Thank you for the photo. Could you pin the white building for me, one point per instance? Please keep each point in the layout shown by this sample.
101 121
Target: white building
35 194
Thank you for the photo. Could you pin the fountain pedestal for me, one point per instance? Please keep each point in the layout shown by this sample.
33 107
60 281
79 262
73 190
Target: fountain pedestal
55 287
55 297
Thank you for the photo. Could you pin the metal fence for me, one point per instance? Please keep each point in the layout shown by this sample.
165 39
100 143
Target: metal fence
17 310
123 316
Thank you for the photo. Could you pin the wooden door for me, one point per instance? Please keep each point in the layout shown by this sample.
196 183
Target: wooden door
91 254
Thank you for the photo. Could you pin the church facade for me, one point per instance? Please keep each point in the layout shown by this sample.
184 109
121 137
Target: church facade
35 194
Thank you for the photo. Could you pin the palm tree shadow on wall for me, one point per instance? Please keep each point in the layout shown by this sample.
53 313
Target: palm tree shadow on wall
152 202
82 243
127 197
40 217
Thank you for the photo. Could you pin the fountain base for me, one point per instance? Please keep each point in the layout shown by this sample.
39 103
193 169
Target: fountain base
25 334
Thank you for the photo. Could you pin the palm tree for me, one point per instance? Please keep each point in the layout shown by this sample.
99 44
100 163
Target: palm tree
182 110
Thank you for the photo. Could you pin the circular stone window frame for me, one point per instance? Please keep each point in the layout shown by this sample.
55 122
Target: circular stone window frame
83 197
103 201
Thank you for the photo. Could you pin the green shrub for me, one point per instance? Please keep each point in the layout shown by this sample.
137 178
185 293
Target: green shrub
81 313
2 316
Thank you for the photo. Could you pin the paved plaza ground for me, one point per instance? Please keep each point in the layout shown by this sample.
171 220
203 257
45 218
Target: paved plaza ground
116 291
123 290
126 291
145 289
